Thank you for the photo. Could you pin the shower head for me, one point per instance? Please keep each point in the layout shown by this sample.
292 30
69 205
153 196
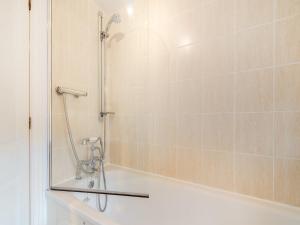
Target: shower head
115 18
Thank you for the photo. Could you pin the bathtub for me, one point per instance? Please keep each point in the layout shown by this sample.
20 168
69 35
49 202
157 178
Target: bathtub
171 202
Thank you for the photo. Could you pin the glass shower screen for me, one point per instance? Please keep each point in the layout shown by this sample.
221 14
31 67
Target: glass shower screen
81 112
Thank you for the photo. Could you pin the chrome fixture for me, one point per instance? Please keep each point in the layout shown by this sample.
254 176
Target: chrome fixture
115 18
90 140
104 35
76 93
94 162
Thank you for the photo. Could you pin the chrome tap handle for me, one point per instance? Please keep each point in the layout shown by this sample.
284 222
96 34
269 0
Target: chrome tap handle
90 140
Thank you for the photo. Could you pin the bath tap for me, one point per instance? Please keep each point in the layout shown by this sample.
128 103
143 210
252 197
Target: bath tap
92 164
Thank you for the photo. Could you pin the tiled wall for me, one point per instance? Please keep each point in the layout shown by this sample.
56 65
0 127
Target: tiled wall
74 65
209 92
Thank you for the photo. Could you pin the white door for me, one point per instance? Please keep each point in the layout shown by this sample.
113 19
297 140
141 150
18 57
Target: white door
14 112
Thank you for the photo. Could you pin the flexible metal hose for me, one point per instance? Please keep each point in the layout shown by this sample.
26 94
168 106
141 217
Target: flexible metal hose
101 160
102 175
71 137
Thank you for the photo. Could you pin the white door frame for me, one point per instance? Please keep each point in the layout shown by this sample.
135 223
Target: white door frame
39 109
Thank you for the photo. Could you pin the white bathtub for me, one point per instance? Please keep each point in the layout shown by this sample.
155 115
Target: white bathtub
171 203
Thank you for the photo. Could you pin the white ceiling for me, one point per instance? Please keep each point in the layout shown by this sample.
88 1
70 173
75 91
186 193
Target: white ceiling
110 6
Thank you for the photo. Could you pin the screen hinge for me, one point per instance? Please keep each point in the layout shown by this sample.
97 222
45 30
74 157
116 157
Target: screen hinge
29 5
29 123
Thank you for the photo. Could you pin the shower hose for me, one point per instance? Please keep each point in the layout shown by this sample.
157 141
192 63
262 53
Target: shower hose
101 159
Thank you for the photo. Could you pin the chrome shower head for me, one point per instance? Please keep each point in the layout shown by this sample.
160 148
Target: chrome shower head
115 18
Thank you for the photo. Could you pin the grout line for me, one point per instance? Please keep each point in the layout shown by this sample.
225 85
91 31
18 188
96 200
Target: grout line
287 64
234 96
286 17
208 74
274 74
270 67
255 155
288 158
253 27
255 69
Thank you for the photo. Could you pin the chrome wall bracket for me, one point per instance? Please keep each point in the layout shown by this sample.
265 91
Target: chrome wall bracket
103 114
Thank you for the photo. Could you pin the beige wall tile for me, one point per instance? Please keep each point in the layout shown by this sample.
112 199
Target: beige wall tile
254 133
255 48
170 8
287 181
188 164
287 88
144 157
217 169
164 130
189 64
217 55
159 61
287 40
177 32
217 132
115 152
145 128
218 18
162 160
254 12
160 98
213 18
129 154
188 97
287 8
115 128
254 91
287 134
168 167
124 128
254 176
217 94
188 131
